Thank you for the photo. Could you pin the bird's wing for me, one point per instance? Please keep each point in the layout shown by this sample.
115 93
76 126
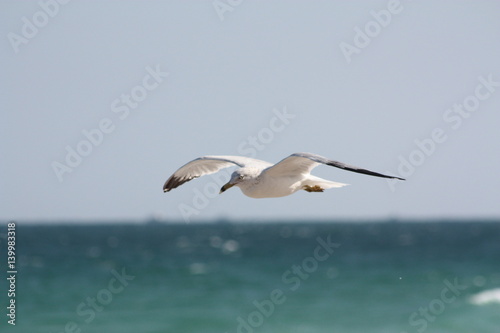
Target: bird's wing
207 165
303 163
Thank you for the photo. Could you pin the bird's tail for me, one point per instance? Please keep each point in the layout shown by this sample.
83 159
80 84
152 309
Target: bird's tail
323 183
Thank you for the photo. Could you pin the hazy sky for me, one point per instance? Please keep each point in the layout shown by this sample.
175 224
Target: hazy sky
103 100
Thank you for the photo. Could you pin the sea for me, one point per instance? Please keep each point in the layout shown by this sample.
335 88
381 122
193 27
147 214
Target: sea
242 277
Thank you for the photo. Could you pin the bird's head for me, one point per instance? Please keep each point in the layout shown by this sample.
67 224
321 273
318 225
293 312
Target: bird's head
239 176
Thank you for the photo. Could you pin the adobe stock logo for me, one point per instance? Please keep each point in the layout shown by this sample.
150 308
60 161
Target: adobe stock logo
373 28
30 28
88 310
427 314
94 137
293 279
223 6
454 118
249 147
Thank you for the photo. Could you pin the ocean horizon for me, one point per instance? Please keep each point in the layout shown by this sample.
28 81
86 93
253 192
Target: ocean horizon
254 276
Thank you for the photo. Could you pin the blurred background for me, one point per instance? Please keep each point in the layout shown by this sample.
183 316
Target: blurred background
103 101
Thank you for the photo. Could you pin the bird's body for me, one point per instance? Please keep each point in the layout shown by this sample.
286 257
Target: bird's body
263 186
259 184
260 179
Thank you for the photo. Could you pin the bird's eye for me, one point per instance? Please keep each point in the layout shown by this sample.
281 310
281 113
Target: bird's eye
240 177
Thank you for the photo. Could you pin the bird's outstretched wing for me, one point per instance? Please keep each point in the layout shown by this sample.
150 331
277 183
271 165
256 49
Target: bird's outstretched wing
207 165
305 162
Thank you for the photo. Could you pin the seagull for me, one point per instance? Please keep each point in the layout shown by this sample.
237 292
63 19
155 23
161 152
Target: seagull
261 179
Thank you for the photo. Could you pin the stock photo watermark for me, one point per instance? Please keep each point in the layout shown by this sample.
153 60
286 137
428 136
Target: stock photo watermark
31 26
11 273
87 310
427 314
292 278
453 117
249 147
223 6
94 137
381 19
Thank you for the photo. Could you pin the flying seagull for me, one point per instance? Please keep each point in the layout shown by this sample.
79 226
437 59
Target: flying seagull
260 179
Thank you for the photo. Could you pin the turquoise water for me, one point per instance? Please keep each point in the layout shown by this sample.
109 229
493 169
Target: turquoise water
244 277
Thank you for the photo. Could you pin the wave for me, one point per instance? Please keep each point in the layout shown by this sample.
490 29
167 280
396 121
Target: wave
486 297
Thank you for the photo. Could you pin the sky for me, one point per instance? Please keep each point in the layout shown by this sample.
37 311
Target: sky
102 101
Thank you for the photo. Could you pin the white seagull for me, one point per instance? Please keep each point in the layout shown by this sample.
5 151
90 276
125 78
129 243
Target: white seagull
260 179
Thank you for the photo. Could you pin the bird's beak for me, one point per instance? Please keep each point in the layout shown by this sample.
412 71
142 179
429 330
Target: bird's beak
225 187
